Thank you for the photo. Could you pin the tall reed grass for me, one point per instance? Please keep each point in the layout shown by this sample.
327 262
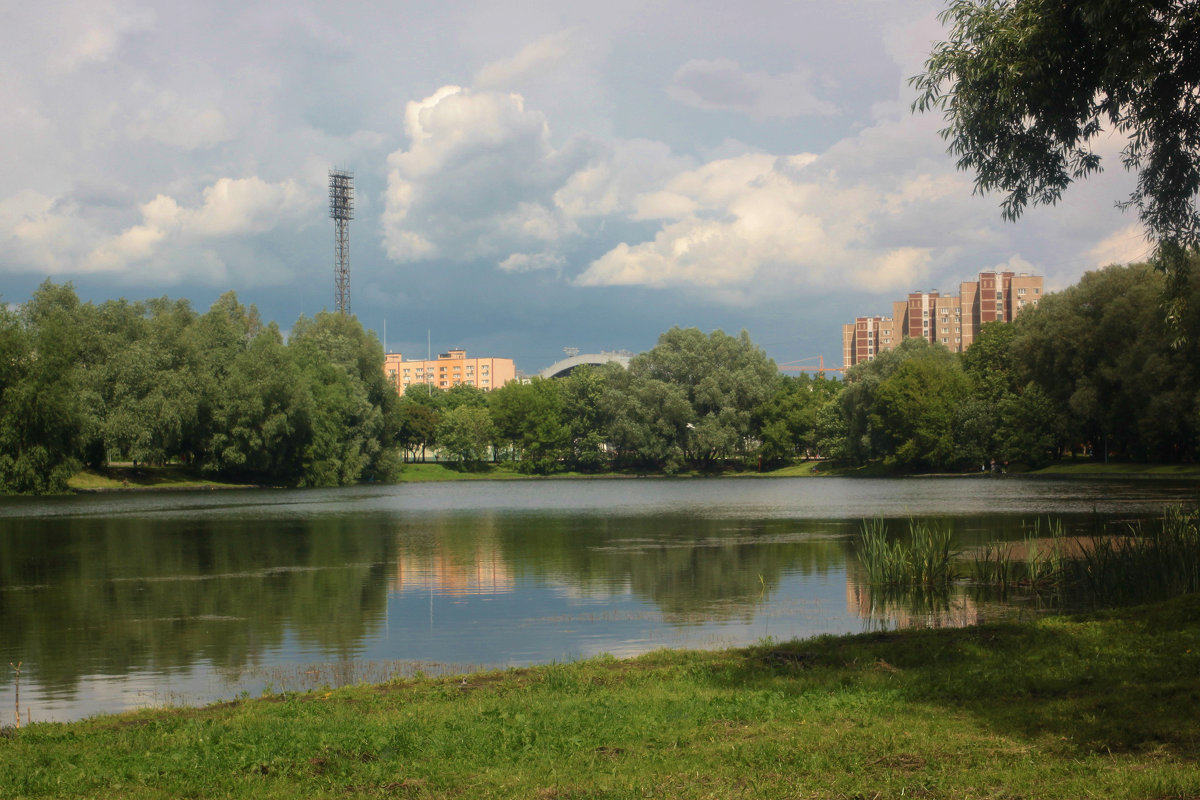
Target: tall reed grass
1151 561
925 559
1041 567
1157 560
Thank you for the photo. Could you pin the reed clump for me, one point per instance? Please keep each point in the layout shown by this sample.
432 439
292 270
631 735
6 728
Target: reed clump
1037 564
924 559
1157 560
993 565
1151 561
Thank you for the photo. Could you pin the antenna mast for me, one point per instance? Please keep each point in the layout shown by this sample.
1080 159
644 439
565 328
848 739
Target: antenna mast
341 210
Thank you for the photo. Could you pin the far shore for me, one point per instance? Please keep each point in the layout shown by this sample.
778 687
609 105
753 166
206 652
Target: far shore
126 477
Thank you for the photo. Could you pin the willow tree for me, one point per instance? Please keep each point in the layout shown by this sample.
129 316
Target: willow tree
1029 87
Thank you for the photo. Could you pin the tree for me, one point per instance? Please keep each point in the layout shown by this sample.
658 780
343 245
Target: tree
416 427
787 422
724 379
648 421
355 415
466 433
859 437
1027 87
915 408
41 420
1108 366
262 417
529 416
582 391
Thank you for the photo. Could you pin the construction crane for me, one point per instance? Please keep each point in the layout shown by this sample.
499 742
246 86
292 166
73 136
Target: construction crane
799 366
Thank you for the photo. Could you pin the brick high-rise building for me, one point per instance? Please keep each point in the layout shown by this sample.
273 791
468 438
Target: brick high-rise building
950 320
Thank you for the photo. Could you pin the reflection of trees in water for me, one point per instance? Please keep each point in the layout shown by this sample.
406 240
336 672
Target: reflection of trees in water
88 595
692 569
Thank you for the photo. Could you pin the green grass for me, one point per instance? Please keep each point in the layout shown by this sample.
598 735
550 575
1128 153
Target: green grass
118 477
179 477
1090 468
1101 706
422 472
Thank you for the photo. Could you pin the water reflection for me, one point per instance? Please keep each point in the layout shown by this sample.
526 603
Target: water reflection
107 596
112 601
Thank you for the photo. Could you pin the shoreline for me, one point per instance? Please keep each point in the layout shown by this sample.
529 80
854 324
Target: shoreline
173 478
1098 704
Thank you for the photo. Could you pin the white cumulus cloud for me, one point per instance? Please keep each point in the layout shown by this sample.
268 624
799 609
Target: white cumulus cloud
170 235
757 224
478 179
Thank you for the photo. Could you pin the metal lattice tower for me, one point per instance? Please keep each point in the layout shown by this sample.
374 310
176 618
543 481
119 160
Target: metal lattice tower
341 210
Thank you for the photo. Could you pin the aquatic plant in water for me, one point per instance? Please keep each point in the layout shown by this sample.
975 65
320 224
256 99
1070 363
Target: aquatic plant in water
924 560
1155 561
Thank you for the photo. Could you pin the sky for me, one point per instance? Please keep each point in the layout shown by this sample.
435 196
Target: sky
528 177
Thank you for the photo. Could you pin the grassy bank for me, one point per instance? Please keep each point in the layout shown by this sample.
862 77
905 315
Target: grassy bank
1099 468
115 478
118 477
1097 706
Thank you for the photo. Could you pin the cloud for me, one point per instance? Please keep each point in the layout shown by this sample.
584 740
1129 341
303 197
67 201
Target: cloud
722 85
526 262
43 233
91 31
478 180
169 119
1125 246
230 208
881 210
532 60
758 224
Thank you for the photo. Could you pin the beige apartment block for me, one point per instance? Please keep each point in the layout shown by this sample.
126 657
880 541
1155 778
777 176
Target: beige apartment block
448 370
950 320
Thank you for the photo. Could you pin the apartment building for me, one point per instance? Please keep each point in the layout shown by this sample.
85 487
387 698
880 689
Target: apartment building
950 320
448 370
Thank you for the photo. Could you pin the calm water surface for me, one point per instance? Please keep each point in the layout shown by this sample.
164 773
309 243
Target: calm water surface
124 600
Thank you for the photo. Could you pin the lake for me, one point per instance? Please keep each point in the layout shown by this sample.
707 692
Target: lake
115 601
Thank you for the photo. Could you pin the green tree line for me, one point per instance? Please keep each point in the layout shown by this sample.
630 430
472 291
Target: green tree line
1094 370
156 382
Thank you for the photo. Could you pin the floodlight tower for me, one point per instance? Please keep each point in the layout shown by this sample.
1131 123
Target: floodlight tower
341 210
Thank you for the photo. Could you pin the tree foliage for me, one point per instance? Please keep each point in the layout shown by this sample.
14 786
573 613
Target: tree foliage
691 398
1029 87
153 381
41 417
1109 367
